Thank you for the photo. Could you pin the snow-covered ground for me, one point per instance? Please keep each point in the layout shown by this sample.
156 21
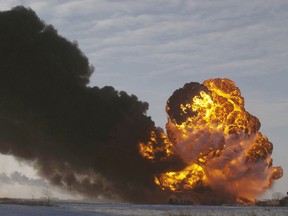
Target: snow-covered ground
89 209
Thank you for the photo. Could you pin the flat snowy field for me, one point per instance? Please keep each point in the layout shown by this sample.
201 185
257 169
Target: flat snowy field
85 209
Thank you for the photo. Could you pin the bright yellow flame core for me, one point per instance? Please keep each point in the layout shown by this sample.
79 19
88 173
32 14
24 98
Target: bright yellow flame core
222 109
153 149
219 125
187 179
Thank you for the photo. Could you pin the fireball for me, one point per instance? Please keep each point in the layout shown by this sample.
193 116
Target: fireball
218 140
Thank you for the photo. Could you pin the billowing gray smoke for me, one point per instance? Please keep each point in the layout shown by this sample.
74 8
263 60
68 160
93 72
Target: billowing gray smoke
79 137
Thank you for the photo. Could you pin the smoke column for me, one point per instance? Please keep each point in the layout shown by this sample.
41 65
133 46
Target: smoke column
81 138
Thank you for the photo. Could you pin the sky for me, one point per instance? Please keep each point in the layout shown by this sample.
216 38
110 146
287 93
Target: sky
150 48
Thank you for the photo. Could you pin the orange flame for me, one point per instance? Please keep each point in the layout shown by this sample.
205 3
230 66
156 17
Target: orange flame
209 129
189 178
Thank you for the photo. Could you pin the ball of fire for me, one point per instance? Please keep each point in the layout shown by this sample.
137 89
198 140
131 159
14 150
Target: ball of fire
217 139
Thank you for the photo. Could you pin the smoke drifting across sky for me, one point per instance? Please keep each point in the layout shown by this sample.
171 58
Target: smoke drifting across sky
81 138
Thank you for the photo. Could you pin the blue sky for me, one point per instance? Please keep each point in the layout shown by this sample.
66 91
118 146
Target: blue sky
152 47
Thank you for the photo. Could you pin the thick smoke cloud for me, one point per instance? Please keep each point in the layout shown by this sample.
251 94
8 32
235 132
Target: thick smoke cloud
81 138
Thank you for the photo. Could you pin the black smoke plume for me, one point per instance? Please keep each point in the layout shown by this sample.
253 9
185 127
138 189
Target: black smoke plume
79 137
